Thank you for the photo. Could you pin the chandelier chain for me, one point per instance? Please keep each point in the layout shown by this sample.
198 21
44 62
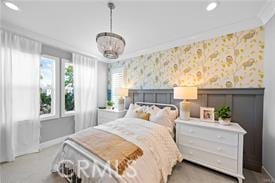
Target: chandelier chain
111 19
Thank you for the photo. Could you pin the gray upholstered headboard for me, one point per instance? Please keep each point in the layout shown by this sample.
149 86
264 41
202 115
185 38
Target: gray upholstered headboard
246 105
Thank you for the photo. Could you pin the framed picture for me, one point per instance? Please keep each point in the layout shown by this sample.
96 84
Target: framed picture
207 114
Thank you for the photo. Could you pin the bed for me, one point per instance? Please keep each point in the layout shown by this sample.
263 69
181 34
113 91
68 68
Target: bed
159 153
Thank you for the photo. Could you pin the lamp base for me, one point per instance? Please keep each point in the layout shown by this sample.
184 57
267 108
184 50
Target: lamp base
120 105
185 109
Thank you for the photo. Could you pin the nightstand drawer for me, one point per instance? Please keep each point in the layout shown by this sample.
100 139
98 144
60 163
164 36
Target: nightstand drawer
209 159
210 146
108 118
104 120
110 114
209 134
105 115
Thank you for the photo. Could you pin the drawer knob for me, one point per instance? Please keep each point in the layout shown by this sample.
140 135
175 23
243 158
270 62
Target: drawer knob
190 142
190 153
219 161
219 136
190 131
219 148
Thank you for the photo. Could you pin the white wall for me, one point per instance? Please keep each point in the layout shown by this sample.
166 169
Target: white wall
269 99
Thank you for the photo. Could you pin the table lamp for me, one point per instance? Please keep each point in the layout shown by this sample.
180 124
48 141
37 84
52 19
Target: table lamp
185 93
122 93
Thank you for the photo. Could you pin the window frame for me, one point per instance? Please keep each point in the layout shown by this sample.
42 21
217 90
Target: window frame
121 84
64 113
56 89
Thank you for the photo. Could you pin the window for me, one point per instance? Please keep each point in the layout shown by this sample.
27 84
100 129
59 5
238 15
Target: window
117 81
48 87
67 88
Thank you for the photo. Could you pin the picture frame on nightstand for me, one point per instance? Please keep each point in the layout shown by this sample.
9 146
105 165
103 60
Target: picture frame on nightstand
207 114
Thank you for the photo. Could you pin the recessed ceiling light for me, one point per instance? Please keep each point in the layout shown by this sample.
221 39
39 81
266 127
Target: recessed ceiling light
11 5
211 6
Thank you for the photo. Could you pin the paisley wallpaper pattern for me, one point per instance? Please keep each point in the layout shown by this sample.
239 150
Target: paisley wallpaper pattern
230 61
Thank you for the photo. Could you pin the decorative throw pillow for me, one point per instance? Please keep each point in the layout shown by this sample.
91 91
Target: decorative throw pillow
133 108
152 110
143 115
163 118
173 115
131 111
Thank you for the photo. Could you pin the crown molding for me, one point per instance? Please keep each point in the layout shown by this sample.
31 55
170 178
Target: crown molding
267 11
205 35
264 15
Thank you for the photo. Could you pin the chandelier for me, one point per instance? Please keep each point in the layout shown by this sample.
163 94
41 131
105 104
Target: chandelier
111 45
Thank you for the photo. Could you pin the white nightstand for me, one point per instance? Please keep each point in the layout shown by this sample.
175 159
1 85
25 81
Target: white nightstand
212 145
106 115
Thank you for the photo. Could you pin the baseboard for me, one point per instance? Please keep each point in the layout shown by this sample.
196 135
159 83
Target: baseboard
50 143
267 172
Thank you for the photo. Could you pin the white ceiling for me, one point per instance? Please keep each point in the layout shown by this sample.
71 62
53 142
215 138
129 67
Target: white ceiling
146 26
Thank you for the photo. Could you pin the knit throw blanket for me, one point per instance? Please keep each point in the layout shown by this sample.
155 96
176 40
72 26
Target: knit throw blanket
116 151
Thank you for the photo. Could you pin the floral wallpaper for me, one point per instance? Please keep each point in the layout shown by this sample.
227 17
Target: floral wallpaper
230 61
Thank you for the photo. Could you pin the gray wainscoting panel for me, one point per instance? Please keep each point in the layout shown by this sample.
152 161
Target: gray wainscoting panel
56 128
246 105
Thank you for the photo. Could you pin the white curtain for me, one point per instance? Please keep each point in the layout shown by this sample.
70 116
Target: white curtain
19 96
85 91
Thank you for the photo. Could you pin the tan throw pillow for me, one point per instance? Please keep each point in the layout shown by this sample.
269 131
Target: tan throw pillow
143 115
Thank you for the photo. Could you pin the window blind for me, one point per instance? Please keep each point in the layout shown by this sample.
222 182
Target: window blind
117 81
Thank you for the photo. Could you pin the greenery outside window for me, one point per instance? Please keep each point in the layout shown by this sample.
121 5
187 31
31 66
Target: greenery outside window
67 88
48 87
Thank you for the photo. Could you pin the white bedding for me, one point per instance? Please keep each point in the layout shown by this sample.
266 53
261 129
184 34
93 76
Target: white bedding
160 152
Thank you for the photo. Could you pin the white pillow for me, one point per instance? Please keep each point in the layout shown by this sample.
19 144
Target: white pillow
173 115
153 110
133 109
162 117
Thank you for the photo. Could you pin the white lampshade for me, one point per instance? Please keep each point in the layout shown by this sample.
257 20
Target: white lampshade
122 92
185 93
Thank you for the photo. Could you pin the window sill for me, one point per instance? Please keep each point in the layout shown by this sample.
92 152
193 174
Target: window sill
68 114
46 117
